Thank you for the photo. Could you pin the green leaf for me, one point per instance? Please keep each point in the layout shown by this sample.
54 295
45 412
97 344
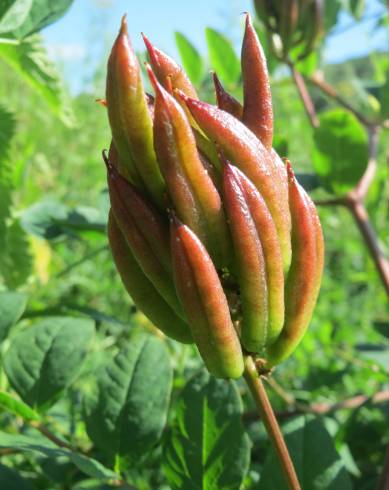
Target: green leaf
7 130
129 411
12 306
17 407
44 359
222 56
11 480
41 14
207 447
318 465
16 261
29 58
87 465
13 13
190 58
310 182
341 151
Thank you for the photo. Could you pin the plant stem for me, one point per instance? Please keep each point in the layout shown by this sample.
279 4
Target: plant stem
266 413
304 95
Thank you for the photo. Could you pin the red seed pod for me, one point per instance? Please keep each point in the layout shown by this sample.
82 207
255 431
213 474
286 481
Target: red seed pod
225 101
129 117
257 107
201 293
305 272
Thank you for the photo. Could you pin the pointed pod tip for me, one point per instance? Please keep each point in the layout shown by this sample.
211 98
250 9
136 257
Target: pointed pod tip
289 169
150 49
123 26
180 94
153 79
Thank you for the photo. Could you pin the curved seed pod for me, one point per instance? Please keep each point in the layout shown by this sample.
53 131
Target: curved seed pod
304 275
191 189
141 290
267 234
164 66
129 116
201 293
225 101
145 232
257 107
250 263
245 151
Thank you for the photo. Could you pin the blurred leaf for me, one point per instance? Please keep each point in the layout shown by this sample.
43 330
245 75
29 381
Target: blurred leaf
310 182
341 152
382 327
44 359
222 56
11 480
190 57
41 14
128 413
29 58
377 353
12 306
207 446
50 219
383 96
280 144
357 8
17 407
15 261
13 13
317 463
331 11
87 465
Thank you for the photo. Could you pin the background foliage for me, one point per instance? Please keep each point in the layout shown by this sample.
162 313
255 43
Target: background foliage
91 395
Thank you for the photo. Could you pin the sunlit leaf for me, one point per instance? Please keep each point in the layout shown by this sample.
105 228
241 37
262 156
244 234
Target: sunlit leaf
222 56
190 58
17 407
13 13
341 151
29 58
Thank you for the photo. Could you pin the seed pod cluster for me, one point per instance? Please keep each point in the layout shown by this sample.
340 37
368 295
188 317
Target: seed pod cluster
291 24
212 235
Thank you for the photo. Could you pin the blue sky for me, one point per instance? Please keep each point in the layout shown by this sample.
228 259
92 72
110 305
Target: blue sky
82 37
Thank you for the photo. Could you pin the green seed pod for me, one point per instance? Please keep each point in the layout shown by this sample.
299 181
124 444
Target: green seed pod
141 290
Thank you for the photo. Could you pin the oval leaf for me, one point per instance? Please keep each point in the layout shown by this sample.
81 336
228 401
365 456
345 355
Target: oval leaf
207 448
129 411
341 152
12 306
318 465
222 56
190 58
45 358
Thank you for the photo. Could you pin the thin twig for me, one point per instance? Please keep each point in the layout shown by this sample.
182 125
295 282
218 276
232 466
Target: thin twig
266 413
329 90
49 435
304 95
324 407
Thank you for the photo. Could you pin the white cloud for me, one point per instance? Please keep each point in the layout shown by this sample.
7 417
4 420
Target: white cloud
66 52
